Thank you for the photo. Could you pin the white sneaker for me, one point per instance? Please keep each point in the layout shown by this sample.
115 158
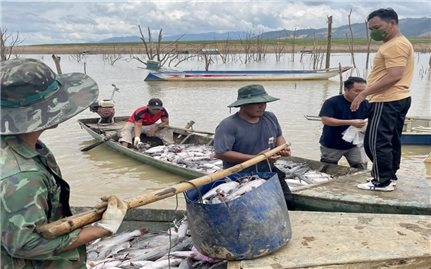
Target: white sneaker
370 186
393 181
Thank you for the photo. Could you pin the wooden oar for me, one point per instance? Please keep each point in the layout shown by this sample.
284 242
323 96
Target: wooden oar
107 138
69 224
187 130
313 118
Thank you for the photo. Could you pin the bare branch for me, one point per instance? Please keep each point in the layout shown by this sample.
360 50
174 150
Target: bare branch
7 43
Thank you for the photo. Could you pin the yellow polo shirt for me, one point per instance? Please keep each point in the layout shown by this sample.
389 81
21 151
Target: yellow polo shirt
394 53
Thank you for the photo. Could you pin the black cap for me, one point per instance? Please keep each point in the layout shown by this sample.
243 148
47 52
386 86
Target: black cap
155 103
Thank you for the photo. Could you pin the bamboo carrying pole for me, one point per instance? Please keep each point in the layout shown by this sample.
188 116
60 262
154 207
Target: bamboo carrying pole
66 225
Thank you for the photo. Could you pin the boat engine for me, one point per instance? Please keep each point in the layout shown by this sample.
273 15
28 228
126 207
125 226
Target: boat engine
105 108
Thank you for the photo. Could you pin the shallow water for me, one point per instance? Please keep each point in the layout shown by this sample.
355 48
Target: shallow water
101 171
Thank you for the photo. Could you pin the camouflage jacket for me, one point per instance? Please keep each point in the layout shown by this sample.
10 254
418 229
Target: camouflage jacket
31 195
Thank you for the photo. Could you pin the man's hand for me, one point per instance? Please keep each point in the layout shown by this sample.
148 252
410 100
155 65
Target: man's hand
271 159
114 213
358 123
285 152
357 102
137 142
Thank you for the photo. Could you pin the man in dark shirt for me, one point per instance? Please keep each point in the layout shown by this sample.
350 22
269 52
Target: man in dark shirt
337 117
143 120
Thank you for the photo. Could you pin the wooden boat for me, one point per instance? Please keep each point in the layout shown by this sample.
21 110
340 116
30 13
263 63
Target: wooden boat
325 240
244 75
416 131
339 194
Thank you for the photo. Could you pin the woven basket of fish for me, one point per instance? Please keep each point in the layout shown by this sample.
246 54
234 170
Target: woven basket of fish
240 217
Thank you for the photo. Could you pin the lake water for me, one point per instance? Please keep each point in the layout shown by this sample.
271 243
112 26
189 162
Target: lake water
101 171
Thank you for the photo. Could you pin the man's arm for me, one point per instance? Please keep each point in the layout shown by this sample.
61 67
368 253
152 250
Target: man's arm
165 121
329 121
394 74
138 129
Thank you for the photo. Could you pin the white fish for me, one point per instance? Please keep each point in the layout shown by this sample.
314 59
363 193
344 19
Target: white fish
105 246
163 264
224 188
246 188
157 149
156 240
183 228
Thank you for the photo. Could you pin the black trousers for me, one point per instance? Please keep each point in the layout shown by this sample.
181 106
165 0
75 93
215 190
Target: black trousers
383 137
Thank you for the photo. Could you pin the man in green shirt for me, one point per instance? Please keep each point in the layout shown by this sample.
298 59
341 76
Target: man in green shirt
32 190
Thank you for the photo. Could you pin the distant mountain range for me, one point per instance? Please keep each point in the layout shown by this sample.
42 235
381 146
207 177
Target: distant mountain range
412 27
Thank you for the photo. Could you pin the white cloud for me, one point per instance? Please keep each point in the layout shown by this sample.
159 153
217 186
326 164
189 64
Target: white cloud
81 21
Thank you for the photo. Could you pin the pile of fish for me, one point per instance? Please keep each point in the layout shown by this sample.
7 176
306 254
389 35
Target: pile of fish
300 174
201 158
196 157
231 190
140 249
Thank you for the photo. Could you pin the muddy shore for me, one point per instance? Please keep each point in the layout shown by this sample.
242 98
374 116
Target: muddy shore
191 49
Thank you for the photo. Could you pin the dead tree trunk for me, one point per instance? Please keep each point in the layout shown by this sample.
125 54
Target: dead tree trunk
328 45
293 45
57 63
340 71
351 41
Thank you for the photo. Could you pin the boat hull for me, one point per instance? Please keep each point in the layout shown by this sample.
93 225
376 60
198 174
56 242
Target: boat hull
416 139
260 75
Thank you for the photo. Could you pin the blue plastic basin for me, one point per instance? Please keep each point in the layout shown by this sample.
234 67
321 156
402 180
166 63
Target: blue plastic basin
253 225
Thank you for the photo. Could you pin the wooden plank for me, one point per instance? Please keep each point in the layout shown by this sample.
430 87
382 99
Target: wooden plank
351 240
234 265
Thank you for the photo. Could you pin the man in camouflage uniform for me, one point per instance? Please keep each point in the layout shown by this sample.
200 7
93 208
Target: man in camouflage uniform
32 190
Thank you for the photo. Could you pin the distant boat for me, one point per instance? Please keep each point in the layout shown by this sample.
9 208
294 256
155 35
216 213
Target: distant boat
244 75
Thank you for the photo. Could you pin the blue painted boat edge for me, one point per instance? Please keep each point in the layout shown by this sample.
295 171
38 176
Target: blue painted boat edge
415 139
153 77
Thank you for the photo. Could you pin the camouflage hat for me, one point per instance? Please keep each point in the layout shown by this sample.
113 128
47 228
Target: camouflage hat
252 94
34 98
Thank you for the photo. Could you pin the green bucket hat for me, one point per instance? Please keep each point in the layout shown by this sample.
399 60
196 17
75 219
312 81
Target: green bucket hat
252 94
34 98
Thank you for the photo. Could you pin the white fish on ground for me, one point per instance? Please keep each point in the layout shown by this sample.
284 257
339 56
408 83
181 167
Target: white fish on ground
154 240
102 248
162 264
317 177
148 254
183 228
102 264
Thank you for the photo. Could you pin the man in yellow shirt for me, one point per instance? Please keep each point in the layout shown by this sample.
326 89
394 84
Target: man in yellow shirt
388 90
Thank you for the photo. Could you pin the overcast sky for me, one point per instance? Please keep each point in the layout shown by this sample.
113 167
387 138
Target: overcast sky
81 21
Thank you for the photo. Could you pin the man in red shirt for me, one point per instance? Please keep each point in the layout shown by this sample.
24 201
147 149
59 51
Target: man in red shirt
143 120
